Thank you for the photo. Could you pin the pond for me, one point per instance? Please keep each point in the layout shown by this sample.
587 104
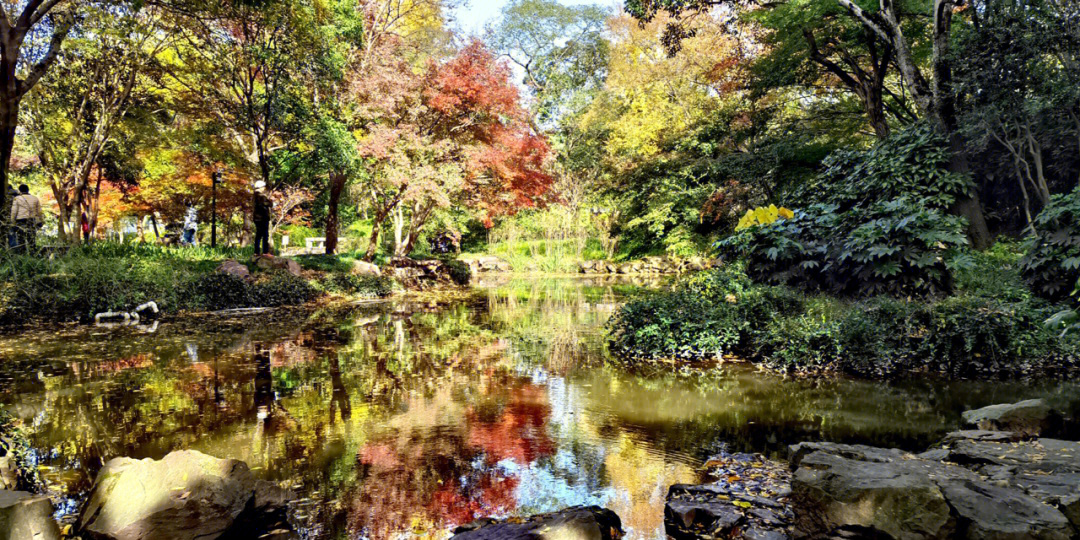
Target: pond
404 418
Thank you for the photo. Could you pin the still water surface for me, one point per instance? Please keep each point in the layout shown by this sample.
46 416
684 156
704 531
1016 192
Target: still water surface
404 418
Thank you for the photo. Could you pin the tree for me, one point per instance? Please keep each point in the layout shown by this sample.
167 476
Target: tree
78 106
560 49
934 98
456 134
23 63
237 63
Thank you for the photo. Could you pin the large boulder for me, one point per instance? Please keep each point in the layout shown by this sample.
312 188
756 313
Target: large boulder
364 268
184 496
270 262
1032 417
578 523
1047 470
886 498
889 493
24 516
234 268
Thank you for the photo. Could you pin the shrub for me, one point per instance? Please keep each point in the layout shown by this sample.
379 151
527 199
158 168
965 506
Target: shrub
873 222
352 284
282 289
216 291
893 247
911 164
459 272
1052 263
719 312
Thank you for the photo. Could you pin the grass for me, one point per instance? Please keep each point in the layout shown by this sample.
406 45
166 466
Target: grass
86 280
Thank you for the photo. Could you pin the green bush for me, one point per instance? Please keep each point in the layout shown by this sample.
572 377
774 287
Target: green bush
216 291
87 280
357 285
874 222
893 247
1052 263
719 312
459 272
282 289
911 164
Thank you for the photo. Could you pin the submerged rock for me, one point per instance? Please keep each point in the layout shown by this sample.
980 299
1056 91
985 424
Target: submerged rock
578 523
25 516
186 495
1032 417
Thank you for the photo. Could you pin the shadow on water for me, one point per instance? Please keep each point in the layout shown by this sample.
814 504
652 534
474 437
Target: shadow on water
408 417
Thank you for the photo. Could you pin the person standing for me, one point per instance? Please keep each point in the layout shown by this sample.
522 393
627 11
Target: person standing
191 225
261 216
26 215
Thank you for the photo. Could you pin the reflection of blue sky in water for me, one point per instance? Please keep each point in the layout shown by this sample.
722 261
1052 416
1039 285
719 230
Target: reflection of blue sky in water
552 484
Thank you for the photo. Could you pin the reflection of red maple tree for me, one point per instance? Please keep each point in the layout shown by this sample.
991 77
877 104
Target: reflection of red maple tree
431 476
520 432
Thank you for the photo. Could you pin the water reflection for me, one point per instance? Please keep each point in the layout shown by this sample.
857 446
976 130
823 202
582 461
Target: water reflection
407 418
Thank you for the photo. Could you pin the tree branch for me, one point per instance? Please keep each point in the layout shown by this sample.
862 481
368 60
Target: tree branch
39 69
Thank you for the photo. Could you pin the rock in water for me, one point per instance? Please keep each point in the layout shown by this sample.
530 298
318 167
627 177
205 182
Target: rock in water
748 500
578 523
24 516
1032 417
186 495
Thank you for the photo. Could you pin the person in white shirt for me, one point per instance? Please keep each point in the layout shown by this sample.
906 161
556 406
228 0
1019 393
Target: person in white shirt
26 216
191 225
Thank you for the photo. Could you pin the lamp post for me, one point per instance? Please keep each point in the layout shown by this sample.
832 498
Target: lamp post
216 179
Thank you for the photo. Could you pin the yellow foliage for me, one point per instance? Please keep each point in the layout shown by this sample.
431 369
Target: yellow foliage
763 215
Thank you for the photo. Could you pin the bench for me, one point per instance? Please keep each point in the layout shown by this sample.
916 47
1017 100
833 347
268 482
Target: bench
313 243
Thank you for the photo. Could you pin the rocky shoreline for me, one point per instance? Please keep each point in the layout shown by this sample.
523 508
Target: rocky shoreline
1011 472
1001 477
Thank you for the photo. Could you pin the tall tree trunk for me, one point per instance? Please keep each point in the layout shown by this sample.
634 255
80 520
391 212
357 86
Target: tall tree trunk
9 120
419 218
373 242
875 112
337 185
969 207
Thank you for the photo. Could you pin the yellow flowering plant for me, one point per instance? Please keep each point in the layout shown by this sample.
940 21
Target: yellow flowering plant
763 215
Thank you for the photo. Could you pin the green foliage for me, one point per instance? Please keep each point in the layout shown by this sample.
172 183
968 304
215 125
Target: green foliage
1052 263
459 272
707 315
910 164
723 312
875 225
1067 320
215 291
118 277
357 285
282 289
893 247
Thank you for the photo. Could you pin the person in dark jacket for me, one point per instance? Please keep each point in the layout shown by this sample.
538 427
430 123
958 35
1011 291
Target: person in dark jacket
261 216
